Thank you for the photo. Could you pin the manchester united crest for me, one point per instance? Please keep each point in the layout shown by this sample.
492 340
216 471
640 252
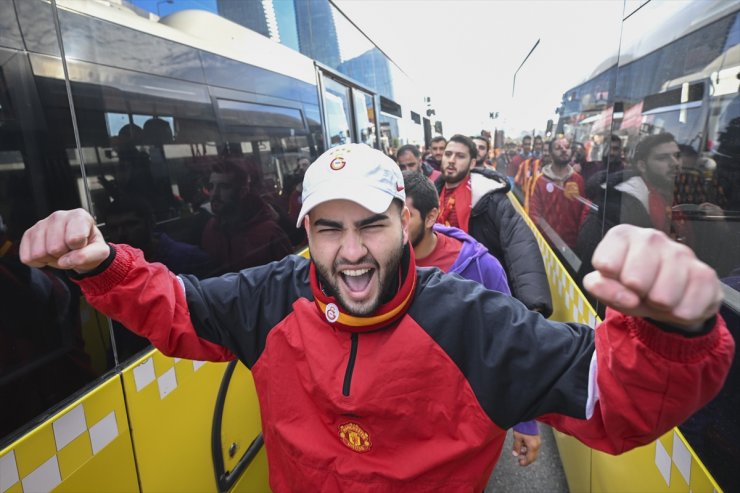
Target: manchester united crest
353 436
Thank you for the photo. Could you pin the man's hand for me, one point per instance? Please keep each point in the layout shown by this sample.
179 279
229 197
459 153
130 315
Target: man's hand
526 448
65 240
644 273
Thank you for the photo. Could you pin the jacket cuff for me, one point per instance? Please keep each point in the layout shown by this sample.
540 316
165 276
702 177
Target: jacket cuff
705 329
672 345
527 428
108 274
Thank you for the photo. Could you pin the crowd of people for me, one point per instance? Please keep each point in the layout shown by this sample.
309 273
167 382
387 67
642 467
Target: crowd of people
574 200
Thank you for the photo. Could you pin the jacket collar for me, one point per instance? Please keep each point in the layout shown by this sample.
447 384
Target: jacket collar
384 316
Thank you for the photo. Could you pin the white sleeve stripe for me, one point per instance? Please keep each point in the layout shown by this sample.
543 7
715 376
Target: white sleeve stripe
182 284
593 388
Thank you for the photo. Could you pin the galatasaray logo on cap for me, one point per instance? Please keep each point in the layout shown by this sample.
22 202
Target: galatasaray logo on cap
353 436
331 312
337 163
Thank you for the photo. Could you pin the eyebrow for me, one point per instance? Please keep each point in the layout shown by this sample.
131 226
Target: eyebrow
336 224
372 219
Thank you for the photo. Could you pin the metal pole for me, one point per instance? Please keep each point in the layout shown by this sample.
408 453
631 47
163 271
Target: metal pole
513 85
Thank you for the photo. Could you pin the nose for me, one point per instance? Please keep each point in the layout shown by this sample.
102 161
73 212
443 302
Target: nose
352 247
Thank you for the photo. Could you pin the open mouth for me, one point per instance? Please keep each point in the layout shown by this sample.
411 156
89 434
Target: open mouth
357 281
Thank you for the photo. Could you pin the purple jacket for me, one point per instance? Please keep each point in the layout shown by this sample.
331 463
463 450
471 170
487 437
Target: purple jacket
474 261
476 264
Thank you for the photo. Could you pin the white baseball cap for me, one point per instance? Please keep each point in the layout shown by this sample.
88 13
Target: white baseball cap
355 172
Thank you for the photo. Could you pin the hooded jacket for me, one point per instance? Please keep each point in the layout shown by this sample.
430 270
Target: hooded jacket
474 261
496 224
396 401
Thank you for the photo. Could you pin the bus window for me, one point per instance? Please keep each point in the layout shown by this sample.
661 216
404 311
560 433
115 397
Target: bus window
337 110
52 344
241 113
274 143
388 134
365 117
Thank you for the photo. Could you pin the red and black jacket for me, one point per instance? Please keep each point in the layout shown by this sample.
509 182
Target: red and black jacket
417 397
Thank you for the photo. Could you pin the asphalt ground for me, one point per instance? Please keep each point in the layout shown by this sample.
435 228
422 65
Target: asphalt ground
545 475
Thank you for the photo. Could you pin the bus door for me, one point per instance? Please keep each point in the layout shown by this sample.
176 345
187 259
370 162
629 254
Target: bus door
349 112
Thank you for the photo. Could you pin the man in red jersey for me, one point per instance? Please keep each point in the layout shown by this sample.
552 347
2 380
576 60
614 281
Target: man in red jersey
373 375
557 195
524 153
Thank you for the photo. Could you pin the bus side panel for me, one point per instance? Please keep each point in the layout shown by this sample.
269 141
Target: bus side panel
666 465
254 479
171 404
84 448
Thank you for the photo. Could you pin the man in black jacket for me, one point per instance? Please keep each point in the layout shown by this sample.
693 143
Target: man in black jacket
491 218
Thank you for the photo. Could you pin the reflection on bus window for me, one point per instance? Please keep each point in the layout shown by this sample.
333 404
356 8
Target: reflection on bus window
389 136
52 344
660 127
337 109
365 117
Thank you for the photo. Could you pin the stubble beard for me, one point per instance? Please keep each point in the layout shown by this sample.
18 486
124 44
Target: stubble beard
418 237
387 280
455 179
660 181
560 162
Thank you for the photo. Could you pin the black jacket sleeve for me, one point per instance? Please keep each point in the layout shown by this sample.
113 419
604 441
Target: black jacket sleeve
496 223
238 310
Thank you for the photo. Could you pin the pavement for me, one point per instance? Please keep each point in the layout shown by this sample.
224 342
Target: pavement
545 475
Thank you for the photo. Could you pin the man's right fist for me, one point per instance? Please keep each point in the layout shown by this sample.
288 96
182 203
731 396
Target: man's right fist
65 240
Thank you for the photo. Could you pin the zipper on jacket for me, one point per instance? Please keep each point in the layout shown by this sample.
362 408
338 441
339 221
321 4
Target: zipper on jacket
350 365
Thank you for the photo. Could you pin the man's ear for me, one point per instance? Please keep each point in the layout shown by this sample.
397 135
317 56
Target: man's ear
431 218
405 219
640 165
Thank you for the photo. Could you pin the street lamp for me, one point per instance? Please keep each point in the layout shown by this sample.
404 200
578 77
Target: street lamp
513 85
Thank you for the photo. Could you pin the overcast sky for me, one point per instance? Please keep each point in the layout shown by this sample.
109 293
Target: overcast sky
464 53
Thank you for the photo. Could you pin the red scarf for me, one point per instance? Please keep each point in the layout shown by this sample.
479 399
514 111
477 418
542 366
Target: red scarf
387 314
455 206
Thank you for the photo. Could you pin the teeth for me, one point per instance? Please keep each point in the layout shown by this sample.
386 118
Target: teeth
357 272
